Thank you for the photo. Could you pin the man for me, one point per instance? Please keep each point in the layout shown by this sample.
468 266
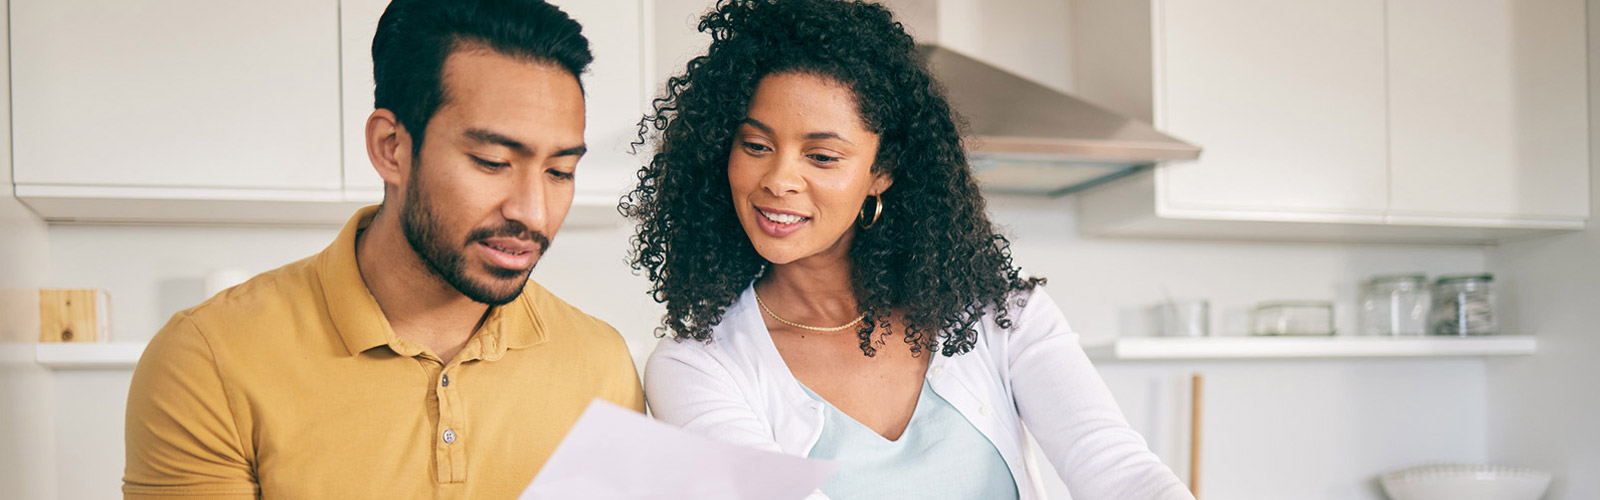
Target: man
412 358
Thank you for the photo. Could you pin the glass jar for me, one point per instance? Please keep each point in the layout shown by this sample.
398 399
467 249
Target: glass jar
1463 305
1292 318
1181 318
1395 304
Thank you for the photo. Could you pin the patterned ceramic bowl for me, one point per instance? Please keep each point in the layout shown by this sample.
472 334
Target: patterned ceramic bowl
1465 482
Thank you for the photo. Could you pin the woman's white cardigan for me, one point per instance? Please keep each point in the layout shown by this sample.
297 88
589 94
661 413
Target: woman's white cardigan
737 389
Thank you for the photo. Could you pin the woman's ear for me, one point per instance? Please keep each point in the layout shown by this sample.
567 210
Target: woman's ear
388 147
881 183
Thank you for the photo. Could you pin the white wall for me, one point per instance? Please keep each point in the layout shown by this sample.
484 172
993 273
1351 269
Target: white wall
1543 408
24 258
1305 430
27 409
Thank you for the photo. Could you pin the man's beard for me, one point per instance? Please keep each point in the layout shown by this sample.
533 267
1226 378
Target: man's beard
428 239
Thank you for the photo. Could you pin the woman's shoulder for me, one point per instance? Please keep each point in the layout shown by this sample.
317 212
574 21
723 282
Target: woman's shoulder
1030 316
733 341
1030 306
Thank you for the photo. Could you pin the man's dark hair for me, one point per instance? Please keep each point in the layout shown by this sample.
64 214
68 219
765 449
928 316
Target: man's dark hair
416 36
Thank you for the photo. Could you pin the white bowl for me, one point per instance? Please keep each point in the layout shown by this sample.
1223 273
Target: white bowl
1465 482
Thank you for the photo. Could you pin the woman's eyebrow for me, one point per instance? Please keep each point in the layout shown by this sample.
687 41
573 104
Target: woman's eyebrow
810 137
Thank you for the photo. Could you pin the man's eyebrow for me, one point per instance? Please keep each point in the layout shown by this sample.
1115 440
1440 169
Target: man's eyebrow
578 150
488 136
492 137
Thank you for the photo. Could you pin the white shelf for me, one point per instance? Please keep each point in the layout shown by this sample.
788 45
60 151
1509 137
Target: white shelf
1159 348
88 355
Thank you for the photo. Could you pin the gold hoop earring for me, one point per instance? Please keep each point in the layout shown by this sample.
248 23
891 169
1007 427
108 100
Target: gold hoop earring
861 220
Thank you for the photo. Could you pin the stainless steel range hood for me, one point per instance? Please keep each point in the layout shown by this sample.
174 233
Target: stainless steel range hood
1029 138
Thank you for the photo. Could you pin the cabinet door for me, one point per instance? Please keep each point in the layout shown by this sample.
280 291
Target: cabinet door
176 93
1488 111
614 89
1286 98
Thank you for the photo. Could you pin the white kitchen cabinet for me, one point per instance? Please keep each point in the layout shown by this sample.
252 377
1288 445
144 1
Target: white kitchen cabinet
614 88
175 94
238 112
1364 120
1488 105
1287 101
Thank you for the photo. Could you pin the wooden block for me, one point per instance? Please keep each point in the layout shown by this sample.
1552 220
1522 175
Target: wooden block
69 315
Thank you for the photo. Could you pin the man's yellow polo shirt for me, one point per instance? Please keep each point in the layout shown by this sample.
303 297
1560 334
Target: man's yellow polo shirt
293 385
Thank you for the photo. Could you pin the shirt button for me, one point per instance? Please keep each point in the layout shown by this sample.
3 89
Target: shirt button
938 370
445 381
449 436
985 411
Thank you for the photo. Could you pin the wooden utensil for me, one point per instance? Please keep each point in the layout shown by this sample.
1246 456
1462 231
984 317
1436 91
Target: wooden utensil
1196 382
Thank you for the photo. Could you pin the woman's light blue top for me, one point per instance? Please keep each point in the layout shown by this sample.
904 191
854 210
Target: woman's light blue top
939 456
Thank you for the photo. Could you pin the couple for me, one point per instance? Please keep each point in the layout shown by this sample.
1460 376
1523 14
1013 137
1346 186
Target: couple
833 286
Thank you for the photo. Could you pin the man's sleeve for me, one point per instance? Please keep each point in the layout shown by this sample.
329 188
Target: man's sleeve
182 439
627 390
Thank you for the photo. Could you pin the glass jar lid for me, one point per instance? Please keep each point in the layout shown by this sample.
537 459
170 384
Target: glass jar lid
1462 278
1399 279
1314 304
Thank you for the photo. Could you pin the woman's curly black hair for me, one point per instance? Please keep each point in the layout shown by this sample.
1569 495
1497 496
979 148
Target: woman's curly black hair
933 254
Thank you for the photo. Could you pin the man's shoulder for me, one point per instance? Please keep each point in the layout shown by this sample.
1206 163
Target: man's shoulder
290 285
562 314
266 302
242 323
559 316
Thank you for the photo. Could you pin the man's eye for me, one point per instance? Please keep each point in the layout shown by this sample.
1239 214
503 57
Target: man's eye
496 165
562 175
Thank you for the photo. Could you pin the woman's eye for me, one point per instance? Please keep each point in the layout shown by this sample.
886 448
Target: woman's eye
821 158
495 165
755 147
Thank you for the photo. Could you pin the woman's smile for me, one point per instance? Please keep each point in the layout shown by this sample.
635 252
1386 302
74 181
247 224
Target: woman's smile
779 223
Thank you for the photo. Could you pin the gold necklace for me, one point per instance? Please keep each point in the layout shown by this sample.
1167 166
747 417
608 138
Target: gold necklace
775 316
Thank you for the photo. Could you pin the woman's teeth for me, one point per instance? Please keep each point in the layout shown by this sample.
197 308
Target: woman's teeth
781 218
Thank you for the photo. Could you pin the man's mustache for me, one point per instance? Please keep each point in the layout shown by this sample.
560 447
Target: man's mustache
511 229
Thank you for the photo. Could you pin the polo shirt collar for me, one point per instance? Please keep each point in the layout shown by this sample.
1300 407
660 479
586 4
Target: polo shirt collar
512 326
360 321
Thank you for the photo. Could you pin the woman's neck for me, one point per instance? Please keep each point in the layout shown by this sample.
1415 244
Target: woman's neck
816 288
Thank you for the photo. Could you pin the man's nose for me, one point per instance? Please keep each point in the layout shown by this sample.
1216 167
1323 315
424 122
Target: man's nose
526 201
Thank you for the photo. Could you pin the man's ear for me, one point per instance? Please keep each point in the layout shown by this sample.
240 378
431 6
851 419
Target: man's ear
389 147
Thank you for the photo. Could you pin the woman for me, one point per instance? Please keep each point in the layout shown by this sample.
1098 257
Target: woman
833 286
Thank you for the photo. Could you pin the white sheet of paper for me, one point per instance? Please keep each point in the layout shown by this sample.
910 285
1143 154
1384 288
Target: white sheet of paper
615 453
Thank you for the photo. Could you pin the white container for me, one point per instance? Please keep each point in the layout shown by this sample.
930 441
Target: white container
1465 482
